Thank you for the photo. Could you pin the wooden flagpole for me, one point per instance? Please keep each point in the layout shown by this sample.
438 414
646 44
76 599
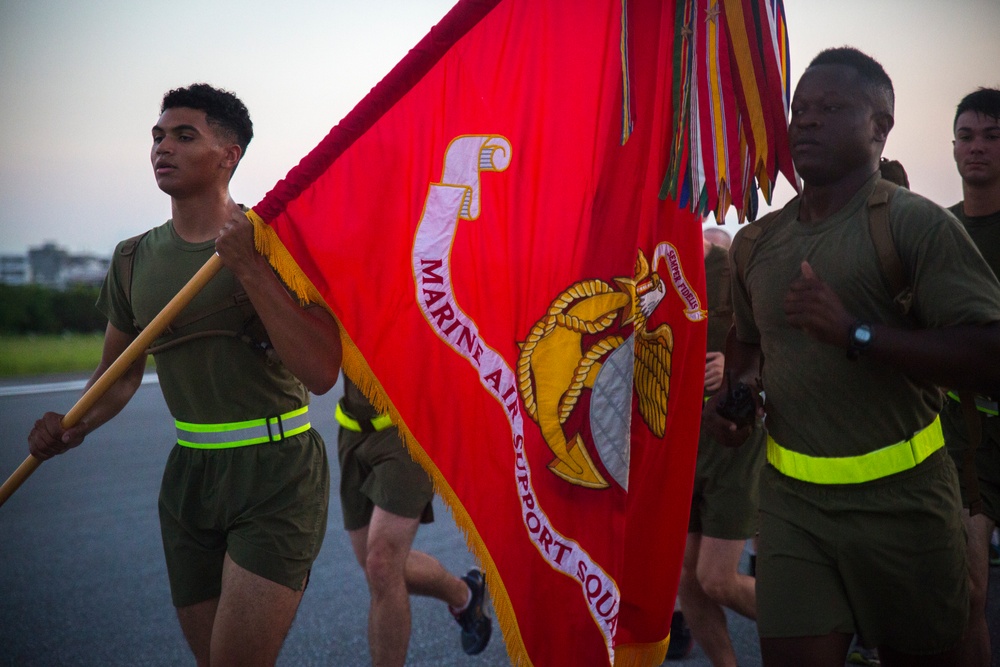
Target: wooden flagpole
118 368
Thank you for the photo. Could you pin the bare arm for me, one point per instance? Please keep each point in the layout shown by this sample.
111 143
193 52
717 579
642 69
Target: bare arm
48 438
960 357
307 340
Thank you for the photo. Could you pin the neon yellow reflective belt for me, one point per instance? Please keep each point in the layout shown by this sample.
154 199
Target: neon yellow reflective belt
241 434
379 423
856 469
984 405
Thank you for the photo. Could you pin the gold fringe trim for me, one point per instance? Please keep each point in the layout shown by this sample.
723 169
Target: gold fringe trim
641 655
357 369
268 244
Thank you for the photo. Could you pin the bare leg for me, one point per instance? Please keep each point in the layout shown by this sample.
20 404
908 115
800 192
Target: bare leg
705 618
426 576
394 571
246 625
719 576
710 581
382 549
976 643
196 624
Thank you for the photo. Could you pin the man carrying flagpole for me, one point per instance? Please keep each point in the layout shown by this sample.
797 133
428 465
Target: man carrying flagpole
243 502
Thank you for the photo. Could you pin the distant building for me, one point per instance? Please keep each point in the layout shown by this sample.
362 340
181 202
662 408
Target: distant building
52 266
14 270
47 265
85 270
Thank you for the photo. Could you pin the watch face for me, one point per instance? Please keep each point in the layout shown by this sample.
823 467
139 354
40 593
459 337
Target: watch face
862 334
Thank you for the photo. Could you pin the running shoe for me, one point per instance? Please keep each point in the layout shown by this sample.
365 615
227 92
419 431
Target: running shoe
476 625
680 637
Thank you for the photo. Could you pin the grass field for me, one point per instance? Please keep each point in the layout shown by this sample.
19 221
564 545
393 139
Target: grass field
38 355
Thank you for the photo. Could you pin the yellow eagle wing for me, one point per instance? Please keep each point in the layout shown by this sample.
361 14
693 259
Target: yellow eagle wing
652 376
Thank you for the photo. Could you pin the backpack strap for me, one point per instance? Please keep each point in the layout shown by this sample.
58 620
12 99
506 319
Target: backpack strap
743 244
126 260
974 424
881 233
237 299
740 251
902 295
888 256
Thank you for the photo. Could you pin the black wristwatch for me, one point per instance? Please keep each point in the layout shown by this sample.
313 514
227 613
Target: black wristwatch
859 337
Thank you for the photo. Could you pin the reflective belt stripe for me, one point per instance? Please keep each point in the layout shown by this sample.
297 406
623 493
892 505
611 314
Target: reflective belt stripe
984 405
856 469
241 434
379 423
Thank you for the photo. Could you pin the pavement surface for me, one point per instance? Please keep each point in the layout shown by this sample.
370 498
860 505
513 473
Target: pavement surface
82 579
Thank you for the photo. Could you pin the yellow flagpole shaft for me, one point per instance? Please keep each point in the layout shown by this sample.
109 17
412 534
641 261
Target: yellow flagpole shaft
120 365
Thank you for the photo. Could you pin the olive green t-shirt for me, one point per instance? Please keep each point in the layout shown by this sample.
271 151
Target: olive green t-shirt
985 233
818 401
214 379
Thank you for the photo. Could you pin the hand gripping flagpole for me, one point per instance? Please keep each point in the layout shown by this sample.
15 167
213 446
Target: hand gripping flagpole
120 365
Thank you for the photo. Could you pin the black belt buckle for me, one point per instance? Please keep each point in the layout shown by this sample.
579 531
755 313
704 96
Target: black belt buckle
281 429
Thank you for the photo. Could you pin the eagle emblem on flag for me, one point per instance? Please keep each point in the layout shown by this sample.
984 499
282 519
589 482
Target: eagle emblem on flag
591 347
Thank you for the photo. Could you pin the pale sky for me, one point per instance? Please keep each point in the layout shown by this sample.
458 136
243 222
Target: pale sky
81 83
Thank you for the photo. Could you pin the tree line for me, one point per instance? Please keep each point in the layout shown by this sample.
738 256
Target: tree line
27 309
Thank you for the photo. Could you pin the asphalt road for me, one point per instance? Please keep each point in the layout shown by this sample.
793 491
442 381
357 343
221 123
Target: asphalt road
82 579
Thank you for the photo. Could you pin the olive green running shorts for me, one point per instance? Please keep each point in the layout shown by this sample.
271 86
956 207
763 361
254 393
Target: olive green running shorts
956 436
265 505
726 489
377 471
884 559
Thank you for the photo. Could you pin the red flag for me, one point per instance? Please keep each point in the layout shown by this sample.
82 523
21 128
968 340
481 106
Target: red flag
514 293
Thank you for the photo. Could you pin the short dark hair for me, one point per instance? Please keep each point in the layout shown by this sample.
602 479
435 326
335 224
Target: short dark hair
222 109
985 101
877 83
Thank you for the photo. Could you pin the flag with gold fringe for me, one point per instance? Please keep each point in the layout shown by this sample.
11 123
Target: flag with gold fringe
511 290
